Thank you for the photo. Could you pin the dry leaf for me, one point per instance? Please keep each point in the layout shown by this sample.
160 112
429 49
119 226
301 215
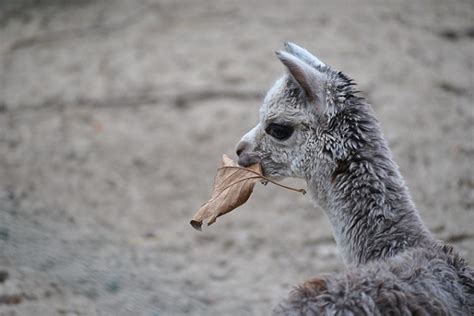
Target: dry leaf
233 186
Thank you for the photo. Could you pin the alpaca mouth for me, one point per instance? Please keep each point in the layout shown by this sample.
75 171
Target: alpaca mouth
271 174
248 159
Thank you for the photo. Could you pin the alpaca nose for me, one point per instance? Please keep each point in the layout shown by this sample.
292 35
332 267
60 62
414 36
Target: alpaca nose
246 156
242 146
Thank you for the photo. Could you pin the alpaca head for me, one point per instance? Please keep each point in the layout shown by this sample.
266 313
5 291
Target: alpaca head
296 135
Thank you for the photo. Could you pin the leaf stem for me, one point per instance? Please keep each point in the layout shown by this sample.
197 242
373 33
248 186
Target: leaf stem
225 188
302 191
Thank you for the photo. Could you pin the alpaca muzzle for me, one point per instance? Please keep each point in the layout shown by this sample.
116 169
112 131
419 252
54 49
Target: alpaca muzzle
247 157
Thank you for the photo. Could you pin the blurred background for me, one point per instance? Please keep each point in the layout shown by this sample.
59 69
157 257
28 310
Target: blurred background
114 115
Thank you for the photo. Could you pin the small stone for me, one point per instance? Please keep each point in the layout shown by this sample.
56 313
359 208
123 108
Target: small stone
3 276
113 286
4 234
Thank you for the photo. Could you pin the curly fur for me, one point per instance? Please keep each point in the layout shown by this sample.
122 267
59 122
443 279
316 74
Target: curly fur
395 266
418 281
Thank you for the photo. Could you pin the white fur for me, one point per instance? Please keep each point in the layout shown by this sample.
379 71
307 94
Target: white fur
250 137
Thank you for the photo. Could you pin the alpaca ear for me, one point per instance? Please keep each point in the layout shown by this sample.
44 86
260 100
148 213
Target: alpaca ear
309 79
303 54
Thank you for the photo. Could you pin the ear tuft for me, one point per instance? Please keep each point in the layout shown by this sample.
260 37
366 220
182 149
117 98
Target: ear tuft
309 79
303 54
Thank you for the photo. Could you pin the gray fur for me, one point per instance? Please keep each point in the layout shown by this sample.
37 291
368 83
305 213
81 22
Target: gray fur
395 266
303 54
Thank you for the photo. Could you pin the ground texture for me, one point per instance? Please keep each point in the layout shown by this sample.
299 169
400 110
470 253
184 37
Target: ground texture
114 116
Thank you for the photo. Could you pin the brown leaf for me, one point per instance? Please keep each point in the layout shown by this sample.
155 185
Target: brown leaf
232 187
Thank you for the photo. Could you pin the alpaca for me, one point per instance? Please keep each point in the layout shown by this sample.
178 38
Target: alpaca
313 125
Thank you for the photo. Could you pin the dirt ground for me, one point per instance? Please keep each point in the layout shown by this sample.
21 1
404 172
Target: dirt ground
114 116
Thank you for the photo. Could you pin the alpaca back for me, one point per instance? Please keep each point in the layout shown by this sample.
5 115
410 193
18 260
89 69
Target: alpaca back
416 282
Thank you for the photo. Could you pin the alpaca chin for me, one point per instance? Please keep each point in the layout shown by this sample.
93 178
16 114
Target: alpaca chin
273 174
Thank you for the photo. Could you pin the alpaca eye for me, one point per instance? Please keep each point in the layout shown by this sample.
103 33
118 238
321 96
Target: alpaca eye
280 132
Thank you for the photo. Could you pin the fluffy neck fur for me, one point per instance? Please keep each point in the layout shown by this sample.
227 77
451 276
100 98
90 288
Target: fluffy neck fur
364 195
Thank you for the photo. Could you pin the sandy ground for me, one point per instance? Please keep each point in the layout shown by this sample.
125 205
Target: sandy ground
114 115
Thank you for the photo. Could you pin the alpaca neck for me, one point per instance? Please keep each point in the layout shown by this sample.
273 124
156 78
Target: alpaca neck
369 207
